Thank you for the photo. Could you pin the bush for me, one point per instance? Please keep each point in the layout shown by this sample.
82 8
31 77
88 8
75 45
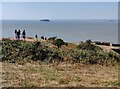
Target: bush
59 42
52 38
88 41
102 43
88 46
19 50
106 43
92 57
116 45
38 51
42 37
55 55
14 51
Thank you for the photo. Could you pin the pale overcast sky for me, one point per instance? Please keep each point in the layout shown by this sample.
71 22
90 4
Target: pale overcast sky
59 10
59 0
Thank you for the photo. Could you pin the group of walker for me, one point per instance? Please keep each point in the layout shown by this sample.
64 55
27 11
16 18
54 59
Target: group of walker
18 33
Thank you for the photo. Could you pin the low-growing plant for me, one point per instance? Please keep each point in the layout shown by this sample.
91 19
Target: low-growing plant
92 57
52 38
88 46
85 52
102 43
59 43
19 50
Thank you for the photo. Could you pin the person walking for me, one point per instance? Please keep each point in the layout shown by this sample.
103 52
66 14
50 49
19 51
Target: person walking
24 34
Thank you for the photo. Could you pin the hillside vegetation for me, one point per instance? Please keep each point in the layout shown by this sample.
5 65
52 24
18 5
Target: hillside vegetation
85 52
55 63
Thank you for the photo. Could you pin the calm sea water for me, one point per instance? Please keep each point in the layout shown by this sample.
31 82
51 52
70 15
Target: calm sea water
69 30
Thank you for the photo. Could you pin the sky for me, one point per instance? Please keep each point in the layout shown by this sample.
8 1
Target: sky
60 0
58 10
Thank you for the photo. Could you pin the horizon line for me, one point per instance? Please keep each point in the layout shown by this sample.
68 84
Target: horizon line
58 19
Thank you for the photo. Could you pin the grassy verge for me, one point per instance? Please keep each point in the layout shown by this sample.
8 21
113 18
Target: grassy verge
39 74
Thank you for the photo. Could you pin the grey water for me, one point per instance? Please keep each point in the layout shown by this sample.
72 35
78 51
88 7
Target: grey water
68 30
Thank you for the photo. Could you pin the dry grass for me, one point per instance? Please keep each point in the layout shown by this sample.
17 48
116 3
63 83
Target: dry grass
58 75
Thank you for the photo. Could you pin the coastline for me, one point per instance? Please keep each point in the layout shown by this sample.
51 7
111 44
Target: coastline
32 39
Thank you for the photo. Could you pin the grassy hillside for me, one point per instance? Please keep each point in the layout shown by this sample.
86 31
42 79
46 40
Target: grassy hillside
43 64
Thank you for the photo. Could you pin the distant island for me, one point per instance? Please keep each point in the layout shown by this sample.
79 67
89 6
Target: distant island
47 20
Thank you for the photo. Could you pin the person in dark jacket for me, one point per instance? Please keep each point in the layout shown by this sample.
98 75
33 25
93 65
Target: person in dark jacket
18 34
36 37
24 34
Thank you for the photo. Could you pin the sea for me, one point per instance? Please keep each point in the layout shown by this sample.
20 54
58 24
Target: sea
68 30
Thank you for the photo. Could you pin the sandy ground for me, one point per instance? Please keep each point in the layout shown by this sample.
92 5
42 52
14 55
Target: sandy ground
107 48
27 39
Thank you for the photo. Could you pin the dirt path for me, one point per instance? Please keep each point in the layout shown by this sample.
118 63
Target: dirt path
27 39
107 48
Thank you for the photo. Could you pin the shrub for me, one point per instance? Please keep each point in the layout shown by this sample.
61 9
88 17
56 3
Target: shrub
42 37
116 45
52 38
59 42
93 57
106 43
88 41
18 50
86 52
55 55
102 43
38 51
88 46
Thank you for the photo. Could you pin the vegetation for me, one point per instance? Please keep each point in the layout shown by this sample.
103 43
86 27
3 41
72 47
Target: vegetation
52 38
102 43
116 45
59 42
40 74
44 64
25 51
42 37
88 46
85 52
